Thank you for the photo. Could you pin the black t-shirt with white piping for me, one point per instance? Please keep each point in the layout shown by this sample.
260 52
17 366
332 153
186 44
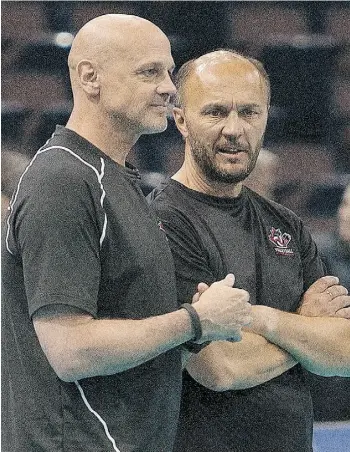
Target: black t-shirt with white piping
80 233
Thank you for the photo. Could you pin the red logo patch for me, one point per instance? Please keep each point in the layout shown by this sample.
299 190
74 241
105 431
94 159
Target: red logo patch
281 241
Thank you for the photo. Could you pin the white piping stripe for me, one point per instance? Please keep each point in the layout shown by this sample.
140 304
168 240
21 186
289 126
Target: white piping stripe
99 178
98 416
12 203
103 195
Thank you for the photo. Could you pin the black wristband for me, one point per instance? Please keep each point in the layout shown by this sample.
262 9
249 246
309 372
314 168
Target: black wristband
194 347
195 320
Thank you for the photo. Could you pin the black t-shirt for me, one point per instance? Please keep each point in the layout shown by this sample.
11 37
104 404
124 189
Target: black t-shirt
274 258
81 234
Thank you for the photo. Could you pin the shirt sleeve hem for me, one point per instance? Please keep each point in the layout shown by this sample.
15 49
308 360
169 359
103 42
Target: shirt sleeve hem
43 300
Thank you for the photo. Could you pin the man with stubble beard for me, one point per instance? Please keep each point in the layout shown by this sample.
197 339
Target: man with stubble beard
249 396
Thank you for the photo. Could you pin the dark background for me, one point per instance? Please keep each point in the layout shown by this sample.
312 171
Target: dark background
305 47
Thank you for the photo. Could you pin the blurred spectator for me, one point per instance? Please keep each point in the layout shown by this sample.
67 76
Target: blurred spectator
12 166
263 178
331 396
335 247
341 143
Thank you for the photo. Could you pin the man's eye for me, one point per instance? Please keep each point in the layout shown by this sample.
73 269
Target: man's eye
248 112
216 113
150 72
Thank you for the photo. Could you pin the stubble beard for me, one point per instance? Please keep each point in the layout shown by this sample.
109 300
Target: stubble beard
148 126
156 126
204 158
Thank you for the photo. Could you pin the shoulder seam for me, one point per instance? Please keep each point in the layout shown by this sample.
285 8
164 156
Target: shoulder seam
99 176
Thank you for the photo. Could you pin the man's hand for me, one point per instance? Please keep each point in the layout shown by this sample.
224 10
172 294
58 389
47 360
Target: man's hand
325 298
223 310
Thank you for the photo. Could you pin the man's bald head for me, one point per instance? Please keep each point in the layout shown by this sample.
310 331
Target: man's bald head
205 62
110 33
120 69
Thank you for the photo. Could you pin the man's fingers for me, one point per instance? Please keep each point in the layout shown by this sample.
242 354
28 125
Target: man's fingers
228 281
343 313
202 287
336 291
195 297
322 284
340 302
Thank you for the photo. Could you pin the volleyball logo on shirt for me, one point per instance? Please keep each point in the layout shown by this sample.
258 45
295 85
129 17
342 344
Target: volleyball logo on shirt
281 241
161 227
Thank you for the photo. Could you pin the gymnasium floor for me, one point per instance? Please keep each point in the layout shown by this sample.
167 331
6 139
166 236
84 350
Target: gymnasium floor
332 437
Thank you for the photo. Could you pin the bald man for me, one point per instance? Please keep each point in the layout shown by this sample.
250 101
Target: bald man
92 331
214 225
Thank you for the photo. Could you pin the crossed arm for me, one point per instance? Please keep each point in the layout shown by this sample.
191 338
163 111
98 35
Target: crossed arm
318 338
225 365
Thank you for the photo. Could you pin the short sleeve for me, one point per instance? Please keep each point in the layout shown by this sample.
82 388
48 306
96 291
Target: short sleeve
56 228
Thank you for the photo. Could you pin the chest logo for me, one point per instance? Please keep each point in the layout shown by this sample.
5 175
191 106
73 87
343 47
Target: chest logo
161 227
281 242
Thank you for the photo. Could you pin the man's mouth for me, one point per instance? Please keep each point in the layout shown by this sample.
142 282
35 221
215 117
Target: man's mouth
231 150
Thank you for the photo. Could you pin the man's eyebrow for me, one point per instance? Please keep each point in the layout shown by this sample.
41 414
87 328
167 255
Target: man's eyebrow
250 105
214 105
157 64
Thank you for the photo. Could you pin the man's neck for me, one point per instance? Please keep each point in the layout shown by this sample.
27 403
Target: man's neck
113 142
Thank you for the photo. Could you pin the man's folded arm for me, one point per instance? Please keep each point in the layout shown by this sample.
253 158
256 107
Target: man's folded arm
225 365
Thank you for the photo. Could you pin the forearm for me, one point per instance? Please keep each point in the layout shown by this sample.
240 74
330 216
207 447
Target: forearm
320 344
78 346
223 365
92 347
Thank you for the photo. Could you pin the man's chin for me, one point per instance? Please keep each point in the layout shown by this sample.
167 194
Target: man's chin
227 177
230 175
156 127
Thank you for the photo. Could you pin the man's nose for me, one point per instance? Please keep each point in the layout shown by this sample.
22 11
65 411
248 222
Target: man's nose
233 126
167 86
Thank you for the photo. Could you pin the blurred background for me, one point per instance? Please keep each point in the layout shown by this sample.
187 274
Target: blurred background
305 47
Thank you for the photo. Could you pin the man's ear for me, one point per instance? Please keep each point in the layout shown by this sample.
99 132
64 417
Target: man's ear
180 121
88 77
